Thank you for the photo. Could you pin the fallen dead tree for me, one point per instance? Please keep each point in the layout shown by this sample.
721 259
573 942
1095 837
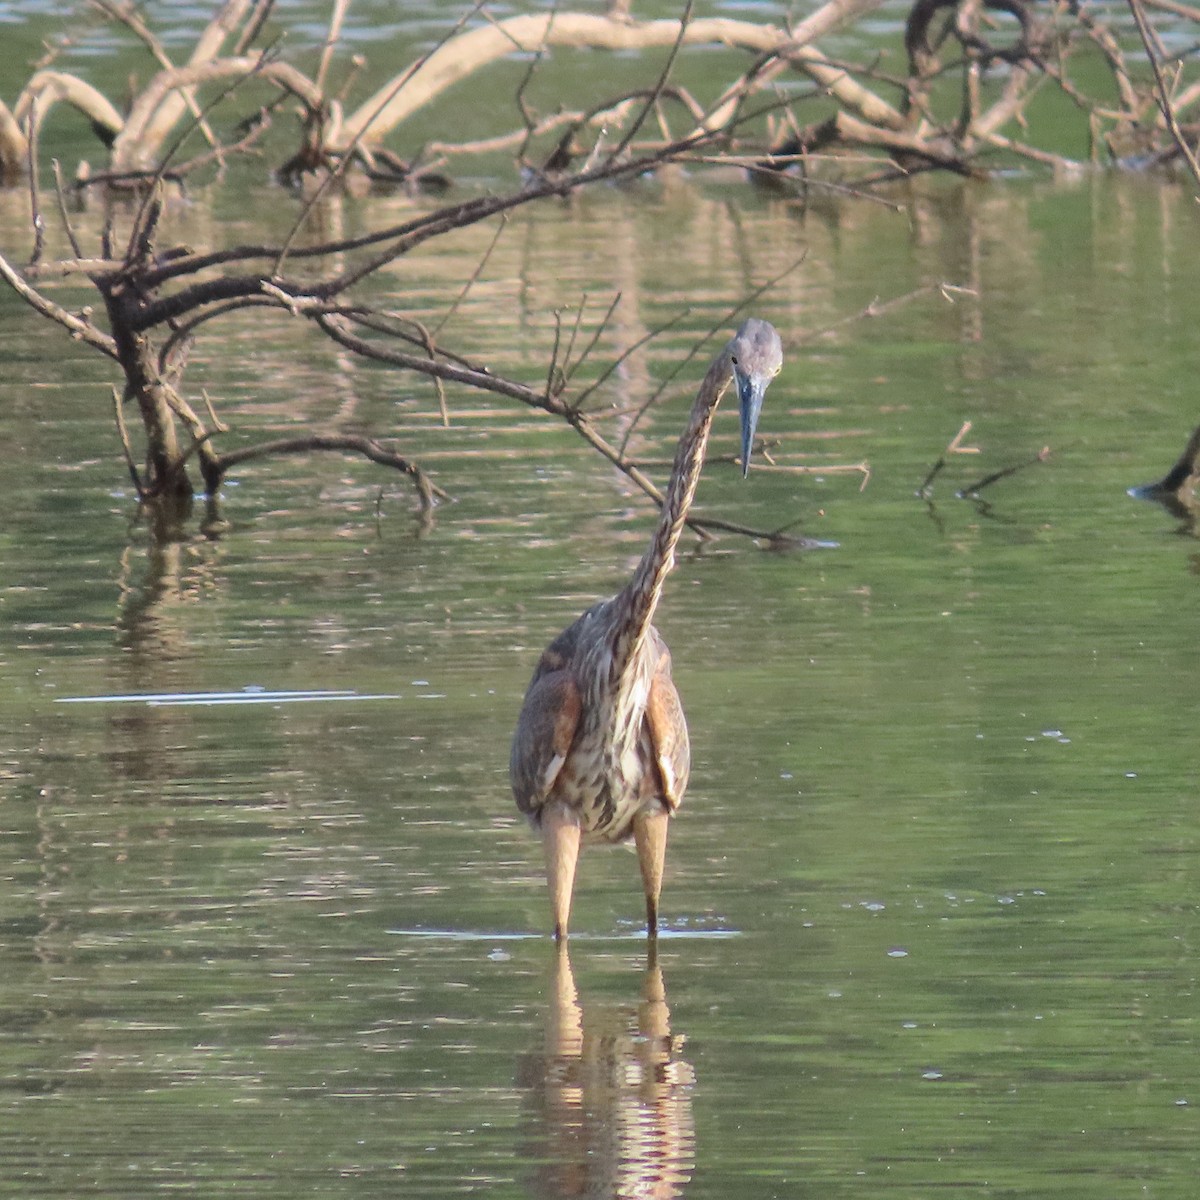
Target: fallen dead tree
155 302
959 101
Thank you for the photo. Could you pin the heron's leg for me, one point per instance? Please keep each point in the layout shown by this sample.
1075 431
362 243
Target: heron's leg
650 837
560 840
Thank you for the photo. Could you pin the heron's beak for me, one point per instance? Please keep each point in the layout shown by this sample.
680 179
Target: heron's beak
751 389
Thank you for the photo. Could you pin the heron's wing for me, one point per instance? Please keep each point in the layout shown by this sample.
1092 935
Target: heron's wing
668 731
545 731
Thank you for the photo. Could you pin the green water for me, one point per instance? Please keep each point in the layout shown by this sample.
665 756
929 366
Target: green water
931 900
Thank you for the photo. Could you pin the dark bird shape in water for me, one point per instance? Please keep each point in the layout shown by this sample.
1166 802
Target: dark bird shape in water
601 751
1176 490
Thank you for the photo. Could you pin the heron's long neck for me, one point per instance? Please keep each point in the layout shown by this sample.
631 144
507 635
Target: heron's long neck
636 603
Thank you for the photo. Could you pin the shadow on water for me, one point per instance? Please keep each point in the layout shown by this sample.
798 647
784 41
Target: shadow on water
608 1094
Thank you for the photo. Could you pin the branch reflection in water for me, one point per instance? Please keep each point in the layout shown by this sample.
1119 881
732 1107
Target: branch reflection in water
609 1094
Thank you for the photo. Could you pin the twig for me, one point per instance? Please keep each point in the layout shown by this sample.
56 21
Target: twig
331 39
583 299
657 90
63 215
219 426
258 18
623 356
427 344
1161 97
569 369
880 308
954 446
528 118
78 327
975 488
367 447
125 446
862 468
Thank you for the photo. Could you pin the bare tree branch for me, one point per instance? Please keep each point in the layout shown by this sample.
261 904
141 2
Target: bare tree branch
368 447
1162 95
77 326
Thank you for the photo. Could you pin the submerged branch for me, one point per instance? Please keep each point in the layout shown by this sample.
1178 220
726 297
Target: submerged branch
954 446
975 488
367 447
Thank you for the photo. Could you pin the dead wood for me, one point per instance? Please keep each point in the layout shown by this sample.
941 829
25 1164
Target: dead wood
972 68
156 302
973 489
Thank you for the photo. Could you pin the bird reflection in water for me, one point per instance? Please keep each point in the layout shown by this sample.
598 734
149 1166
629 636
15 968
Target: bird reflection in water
610 1095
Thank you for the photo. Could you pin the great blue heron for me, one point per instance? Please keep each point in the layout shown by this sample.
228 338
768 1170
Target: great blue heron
601 747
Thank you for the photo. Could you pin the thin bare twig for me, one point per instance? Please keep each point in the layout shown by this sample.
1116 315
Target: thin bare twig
63 215
569 369
657 90
975 488
583 299
125 446
528 118
473 278
253 27
624 355
336 19
219 426
427 344
77 326
1161 95
368 447
954 446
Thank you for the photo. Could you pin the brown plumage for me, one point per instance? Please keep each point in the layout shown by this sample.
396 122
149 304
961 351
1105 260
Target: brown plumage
601 747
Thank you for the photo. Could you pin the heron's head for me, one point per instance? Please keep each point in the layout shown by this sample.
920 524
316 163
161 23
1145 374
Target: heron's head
756 354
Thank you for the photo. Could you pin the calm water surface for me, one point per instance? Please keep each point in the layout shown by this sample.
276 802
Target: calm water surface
931 902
